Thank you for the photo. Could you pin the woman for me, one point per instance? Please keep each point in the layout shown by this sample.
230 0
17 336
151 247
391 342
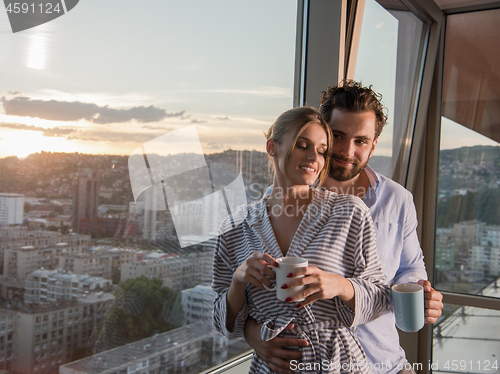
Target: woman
334 232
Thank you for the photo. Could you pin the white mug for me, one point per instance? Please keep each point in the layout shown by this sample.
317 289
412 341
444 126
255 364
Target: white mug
286 266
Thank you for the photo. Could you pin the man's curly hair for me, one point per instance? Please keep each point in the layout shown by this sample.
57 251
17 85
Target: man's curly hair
351 96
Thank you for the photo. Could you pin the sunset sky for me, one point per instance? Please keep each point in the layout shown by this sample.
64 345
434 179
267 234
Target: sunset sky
111 75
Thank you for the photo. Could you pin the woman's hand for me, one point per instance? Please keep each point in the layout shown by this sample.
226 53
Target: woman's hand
255 269
251 271
320 285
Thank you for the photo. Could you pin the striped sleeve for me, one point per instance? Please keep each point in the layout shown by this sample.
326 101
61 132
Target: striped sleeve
223 275
372 296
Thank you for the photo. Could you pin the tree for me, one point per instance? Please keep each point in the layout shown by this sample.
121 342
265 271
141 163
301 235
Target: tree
143 307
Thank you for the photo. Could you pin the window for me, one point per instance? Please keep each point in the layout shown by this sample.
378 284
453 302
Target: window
467 256
395 38
229 76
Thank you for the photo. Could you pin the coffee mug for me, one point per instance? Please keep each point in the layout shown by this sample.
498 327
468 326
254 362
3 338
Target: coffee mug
286 266
408 301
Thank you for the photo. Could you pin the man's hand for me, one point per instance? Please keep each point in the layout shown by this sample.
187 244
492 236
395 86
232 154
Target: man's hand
273 352
433 302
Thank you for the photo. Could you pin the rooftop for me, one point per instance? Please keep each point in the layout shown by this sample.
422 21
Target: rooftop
141 350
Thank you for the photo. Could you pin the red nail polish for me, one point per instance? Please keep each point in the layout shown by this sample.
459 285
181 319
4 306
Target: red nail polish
298 306
288 299
276 265
284 286
290 275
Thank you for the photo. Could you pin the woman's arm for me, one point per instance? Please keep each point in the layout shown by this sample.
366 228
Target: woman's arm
364 293
321 285
230 304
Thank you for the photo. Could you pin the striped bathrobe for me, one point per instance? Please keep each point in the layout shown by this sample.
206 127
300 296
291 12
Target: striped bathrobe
336 235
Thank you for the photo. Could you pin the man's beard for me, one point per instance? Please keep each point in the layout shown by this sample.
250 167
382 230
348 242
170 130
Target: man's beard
342 174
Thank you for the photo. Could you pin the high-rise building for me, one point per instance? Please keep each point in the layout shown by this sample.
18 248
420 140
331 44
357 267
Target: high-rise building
86 202
11 209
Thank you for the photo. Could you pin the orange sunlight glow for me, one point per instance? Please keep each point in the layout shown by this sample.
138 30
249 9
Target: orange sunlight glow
22 143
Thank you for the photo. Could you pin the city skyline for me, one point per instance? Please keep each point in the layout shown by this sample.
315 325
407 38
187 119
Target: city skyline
75 89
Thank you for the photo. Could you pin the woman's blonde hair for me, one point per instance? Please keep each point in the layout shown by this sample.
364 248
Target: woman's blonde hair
295 120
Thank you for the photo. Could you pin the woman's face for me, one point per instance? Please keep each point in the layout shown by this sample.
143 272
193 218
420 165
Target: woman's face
307 157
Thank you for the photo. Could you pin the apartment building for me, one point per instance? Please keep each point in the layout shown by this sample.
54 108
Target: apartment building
43 286
198 304
100 263
52 332
188 349
178 272
7 338
11 209
16 237
19 262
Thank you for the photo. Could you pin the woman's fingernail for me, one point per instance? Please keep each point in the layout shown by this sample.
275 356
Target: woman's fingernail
276 264
288 299
284 286
298 305
290 275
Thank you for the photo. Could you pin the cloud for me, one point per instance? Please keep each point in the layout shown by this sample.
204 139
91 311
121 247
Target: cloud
56 110
215 146
91 135
268 92
113 137
148 127
197 121
51 132
226 118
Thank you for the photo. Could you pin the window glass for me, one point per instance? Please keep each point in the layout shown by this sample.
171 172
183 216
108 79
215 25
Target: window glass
94 103
467 255
468 219
465 340
388 57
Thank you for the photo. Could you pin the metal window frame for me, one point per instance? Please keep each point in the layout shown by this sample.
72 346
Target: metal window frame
423 170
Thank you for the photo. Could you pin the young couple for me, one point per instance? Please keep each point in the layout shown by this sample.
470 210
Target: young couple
347 284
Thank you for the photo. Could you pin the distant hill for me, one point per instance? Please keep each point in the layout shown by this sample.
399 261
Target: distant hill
475 155
468 185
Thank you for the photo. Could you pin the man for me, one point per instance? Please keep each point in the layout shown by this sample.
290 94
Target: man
356 117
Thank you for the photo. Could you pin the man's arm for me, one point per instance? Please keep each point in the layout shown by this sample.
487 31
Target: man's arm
273 352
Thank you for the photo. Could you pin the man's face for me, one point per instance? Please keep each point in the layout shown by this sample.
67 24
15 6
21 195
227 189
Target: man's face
353 143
